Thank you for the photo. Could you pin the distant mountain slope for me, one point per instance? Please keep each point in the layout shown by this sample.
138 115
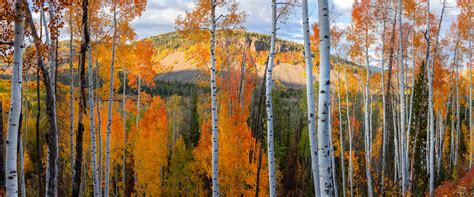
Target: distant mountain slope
179 69
182 70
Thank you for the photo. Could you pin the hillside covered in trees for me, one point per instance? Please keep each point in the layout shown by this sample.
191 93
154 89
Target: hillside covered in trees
379 106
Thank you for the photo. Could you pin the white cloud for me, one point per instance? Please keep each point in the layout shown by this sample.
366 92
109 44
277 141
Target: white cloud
343 4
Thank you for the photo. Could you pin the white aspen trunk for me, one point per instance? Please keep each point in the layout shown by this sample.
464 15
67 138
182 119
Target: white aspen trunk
22 143
98 100
367 126
325 166
441 147
71 95
458 117
11 142
333 162
430 112
411 173
269 105
351 166
384 116
99 133
309 92
109 110
451 151
138 101
124 117
95 176
401 81
22 167
396 146
52 48
341 135
215 144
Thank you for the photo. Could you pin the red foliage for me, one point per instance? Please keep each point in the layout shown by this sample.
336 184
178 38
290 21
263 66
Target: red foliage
461 187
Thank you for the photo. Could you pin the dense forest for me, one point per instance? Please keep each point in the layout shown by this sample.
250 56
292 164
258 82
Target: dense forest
380 106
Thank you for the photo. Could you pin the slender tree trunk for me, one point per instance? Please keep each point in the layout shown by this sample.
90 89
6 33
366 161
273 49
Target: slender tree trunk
430 107
15 104
22 143
333 162
21 160
95 174
349 129
215 144
458 115
101 157
269 106
441 143
325 166
401 88
52 139
109 108
367 124
82 99
410 112
341 135
384 117
71 94
309 97
39 167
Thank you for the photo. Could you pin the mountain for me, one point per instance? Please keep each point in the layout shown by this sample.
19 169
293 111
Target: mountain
181 69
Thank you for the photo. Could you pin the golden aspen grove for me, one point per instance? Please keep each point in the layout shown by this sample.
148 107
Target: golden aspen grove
236 98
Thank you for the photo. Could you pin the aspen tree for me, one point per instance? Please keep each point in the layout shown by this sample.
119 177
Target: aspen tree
15 104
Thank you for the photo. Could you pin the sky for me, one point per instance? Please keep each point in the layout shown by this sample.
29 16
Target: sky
159 16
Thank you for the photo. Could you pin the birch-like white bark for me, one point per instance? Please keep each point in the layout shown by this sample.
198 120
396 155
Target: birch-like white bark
384 115
401 88
215 144
325 166
99 134
430 109
15 104
367 126
22 167
269 106
458 118
309 97
109 109
333 161
95 175
341 135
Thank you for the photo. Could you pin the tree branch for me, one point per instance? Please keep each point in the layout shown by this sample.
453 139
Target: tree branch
6 43
287 3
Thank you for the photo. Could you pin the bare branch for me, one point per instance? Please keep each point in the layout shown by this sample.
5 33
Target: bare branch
288 3
218 17
6 43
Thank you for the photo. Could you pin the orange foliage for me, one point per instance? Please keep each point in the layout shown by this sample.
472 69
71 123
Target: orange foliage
237 147
150 148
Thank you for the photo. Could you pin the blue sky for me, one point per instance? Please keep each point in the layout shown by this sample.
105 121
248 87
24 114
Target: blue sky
160 16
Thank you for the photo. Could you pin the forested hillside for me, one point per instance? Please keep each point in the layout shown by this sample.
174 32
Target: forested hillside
381 105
